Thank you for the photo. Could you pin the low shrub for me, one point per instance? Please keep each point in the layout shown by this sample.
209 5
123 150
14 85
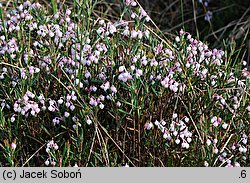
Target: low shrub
80 89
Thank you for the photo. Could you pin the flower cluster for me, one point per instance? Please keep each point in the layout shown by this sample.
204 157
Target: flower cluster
217 121
10 47
225 156
177 131
4 71
51 145
209 14
27 105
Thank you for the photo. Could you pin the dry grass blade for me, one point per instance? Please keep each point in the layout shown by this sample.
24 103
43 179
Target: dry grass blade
27 161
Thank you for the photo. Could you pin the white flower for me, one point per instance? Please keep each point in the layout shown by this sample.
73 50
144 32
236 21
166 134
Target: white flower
209 142
56 147
185 145
132 67
143 13
138 72
177 39
236 164
13 146
112 29
157 123
121 68
244 150
126 165
133 3
74 118
224 154
72 107
113 89
56 16
174 115
244 141
23 112
87 75
224 125
165 135
101 22
140 34
134 34
208 16
93 101
101 106
37 70
186 119
133 15
147 18
4 69
2 76
100 30
216 124
55 121
204 72
148 125
33 113
128 2
126 32
175 133
146 33
182 135
68 12
213 119
66 114
89 121
77 81
46 162
229 161
74 97
25 98
60 101
118 104
51 34
223 102
105 86
163 122
67 104
50 108
12 119
206 164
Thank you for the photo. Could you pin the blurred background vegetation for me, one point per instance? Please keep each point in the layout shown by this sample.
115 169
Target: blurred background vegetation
220 23
211 21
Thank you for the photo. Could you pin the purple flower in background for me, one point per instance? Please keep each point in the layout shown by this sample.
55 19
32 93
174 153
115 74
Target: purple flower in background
208 16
